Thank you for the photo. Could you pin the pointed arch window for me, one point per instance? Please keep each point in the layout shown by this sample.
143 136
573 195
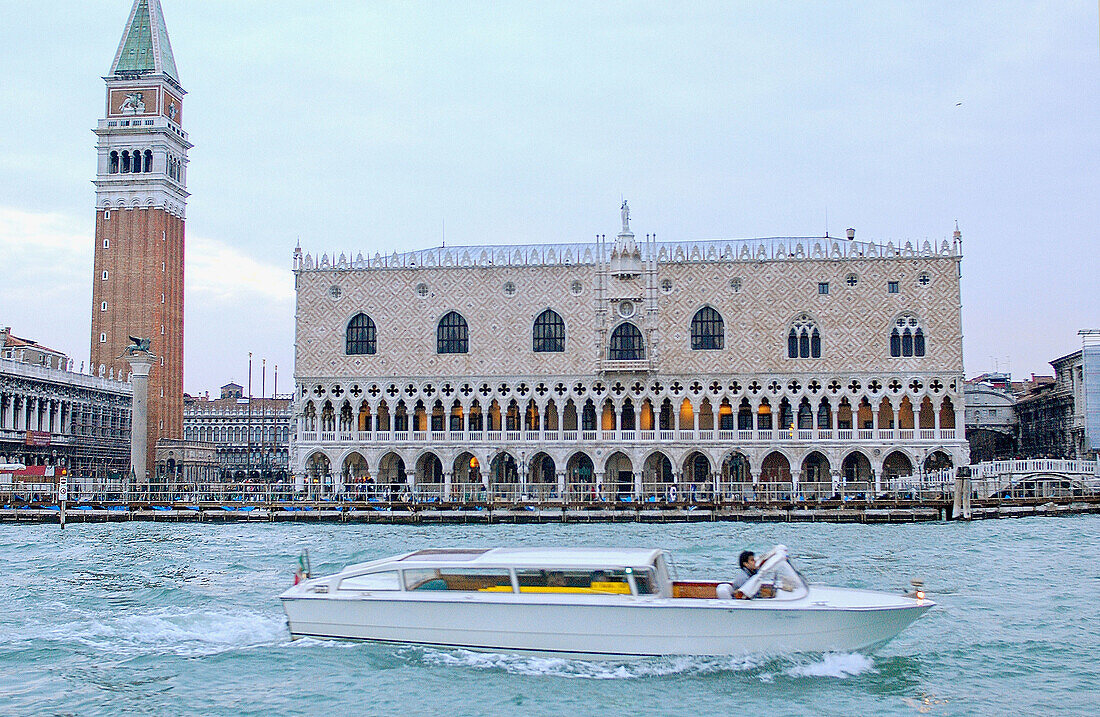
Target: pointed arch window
707 330
803 338
626 343
453 335
548 335
361 335
907 337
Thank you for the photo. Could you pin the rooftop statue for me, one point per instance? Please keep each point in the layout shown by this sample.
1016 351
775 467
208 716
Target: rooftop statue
625 210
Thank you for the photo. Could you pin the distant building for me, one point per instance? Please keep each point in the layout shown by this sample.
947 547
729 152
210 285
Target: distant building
27 351
251 439
1062 419
992 428
55 418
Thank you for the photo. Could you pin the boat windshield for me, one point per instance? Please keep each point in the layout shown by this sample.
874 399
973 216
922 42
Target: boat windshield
776 578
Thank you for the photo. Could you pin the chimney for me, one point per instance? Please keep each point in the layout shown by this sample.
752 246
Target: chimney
851 234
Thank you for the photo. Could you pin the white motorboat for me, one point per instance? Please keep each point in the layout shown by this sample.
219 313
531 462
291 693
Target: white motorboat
610 603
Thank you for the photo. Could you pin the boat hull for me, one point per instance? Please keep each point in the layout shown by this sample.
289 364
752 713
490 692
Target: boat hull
828 619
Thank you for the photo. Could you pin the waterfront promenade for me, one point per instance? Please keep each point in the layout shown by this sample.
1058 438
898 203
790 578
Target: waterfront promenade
985 490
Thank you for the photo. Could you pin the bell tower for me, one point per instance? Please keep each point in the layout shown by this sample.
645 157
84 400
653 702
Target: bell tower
141 201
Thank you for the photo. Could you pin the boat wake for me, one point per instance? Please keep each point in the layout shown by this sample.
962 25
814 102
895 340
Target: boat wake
836 665
187 633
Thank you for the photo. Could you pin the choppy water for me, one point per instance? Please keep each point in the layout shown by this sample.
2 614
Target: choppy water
183 619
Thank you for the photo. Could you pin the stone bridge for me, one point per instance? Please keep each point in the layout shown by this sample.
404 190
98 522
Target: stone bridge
1038 477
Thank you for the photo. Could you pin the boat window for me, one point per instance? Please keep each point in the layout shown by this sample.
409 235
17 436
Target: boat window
467 579
613 582
383 580
646 582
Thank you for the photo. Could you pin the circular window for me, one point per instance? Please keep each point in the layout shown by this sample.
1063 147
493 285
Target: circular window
577 287
666 286
626 309
422 290
334 291
509 289
735 284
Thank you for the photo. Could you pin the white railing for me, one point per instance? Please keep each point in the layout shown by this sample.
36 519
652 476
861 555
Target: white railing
928 434
569 436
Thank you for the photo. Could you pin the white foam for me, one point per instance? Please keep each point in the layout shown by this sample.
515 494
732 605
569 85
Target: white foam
834 664
587 669
187 632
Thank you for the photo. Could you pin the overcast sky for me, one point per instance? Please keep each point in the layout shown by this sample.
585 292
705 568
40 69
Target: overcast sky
368 126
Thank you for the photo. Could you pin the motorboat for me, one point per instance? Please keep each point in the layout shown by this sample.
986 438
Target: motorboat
590 602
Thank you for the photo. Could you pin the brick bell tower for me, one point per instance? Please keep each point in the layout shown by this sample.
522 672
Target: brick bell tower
141 198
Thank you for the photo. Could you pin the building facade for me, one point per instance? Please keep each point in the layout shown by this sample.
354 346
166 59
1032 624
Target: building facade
58 418
251 438
629 369
28 351
1058 420
141 198
992 428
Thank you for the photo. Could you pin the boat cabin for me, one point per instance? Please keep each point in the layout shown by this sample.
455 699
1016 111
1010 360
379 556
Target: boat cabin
556 571
560 571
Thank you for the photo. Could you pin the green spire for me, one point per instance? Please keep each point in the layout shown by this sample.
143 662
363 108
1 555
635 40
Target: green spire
145 46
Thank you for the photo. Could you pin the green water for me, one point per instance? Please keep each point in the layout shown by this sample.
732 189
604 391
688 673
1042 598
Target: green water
183 619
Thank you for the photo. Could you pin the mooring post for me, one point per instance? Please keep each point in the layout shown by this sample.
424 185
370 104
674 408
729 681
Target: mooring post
960 506
62 497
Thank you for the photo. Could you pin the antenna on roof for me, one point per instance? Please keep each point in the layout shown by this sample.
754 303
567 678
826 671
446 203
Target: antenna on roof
444 222
826 222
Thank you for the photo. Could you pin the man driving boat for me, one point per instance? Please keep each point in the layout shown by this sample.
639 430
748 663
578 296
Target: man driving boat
747 561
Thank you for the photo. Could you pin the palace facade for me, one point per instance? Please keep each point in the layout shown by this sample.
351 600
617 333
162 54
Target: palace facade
629 369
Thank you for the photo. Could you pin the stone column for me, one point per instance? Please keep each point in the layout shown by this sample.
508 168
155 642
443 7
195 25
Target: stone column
561 484
447 478
637 485
140 363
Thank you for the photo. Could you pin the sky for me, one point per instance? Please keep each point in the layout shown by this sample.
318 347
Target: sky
382 126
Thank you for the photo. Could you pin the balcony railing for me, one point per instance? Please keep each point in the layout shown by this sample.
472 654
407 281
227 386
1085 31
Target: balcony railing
706 435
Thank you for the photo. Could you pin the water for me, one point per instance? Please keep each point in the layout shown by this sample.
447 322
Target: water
183 619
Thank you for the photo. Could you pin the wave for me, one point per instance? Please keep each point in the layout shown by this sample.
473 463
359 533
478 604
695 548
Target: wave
836 665
187 633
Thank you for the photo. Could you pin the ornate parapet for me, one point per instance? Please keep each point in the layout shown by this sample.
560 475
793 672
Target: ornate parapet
718 250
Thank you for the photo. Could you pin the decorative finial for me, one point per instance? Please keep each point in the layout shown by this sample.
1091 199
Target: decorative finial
625 211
